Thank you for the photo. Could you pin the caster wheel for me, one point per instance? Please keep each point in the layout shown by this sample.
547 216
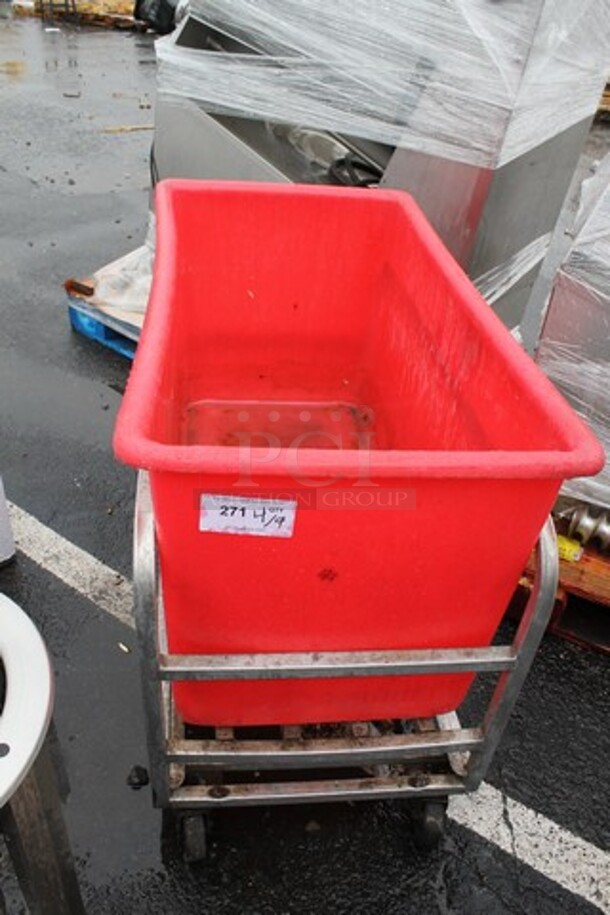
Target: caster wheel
430 822
194 838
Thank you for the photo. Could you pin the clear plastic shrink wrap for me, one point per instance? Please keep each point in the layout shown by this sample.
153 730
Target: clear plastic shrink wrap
574 349
478 81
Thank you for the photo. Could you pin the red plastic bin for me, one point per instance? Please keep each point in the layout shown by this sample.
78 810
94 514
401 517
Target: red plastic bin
347 450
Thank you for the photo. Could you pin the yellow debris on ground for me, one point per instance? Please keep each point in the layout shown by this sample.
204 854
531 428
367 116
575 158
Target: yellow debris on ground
14 69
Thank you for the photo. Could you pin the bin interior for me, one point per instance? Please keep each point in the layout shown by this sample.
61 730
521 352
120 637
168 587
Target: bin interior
324 317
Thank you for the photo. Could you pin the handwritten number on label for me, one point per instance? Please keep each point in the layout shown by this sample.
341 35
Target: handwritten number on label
267 516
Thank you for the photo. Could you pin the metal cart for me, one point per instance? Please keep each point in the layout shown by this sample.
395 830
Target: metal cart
194 771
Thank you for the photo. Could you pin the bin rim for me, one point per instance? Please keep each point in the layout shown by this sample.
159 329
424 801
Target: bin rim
581 455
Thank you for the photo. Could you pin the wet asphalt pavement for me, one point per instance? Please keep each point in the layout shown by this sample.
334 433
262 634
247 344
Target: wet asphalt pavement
72 198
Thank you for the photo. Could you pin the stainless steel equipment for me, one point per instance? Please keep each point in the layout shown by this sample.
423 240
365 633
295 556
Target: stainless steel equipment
426 761
485 214
573 348
587 526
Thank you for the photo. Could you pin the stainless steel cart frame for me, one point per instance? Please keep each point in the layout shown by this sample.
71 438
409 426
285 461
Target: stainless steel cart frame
434 758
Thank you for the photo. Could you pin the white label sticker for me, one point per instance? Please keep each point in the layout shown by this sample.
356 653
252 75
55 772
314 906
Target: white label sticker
244 515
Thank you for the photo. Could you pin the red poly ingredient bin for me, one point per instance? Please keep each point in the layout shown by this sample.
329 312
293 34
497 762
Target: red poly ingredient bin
347 450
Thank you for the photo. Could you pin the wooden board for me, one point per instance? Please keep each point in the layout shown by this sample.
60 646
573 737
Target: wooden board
106 13
587 577
581 613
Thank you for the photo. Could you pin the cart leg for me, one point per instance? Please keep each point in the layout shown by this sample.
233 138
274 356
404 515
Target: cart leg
145 609
527 639
38 844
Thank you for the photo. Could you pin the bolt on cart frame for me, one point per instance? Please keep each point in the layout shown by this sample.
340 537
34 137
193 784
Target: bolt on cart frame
430 760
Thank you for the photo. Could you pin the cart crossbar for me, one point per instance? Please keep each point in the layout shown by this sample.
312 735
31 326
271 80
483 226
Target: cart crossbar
313 665
309 792
312 753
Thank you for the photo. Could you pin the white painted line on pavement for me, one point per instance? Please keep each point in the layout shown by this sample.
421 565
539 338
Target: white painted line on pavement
78 569
573 863
576 865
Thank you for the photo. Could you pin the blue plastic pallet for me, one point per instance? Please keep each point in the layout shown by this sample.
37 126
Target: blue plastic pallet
94 329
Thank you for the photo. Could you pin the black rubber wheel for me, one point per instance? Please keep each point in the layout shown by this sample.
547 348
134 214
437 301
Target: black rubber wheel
430 820
193 828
